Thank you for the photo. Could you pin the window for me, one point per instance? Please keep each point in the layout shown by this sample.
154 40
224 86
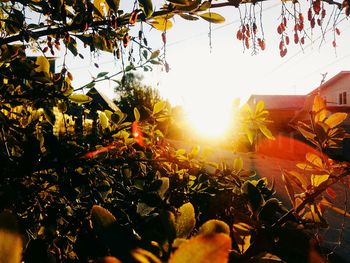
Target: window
344 98
340 98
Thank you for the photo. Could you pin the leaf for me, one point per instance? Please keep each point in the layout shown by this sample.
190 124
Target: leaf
316 180
259 107
250 135
185 220
101 219
146 7
103 120
99 4
204 6
241 234
158 107
143 256
113 4
43 65
308 135
102 74
164 187
154 54
188 17
238 164
266 132
214 226
195 150
212 248
253 194
319 109
136 114
179 2
335 119
161 24
80 98
334 208
213 17
314 159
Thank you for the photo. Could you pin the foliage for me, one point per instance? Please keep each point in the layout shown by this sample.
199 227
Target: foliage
88 185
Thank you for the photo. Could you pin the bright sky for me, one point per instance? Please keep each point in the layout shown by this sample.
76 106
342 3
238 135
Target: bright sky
206 83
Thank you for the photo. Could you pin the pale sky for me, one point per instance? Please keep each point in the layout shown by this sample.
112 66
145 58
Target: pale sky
206 81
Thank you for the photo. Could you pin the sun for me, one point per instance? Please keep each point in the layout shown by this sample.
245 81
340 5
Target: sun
209 120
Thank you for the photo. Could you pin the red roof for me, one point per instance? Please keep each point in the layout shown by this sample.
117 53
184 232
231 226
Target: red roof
280 101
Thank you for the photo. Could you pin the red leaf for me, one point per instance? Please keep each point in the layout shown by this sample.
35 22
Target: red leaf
287 40
239 35
337 31
331 192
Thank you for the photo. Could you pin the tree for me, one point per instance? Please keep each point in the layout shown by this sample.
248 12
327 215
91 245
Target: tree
131 93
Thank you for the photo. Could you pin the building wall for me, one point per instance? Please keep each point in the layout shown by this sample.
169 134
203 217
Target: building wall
332 93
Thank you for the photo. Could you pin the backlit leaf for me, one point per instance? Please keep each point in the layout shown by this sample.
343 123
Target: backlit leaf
212 248
259 106
101 6
185 220
147 7
214 226
143 256
158 107
241 234
266 132
136 114
319 109
43 65
213 17
101 218
238 164
161 23
308 135
316 180
103 120
335 119
314 159
80 98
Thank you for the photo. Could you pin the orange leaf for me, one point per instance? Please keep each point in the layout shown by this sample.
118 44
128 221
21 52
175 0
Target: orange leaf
213 248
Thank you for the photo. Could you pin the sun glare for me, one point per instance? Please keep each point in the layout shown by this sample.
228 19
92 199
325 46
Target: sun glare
209 120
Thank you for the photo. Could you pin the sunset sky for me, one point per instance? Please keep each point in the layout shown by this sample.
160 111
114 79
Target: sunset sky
205 81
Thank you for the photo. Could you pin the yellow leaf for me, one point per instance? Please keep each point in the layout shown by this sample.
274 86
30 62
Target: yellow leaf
335 119
101 7
43 65
103 120
143 256
185 220
80 98
101 218
314 159
158 107
316 180
214 226
250 135
212 248
161 23
136 114
319 109
266 132
259 106
213 17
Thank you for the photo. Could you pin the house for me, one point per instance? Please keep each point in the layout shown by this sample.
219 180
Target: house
286 110
336 93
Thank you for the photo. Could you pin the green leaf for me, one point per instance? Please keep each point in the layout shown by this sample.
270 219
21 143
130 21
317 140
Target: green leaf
113 4
213 17
154 54
214 226
80 98
158 107
185 220
212 248
335 119
188 17
179 2
136 114
147 7
102 74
